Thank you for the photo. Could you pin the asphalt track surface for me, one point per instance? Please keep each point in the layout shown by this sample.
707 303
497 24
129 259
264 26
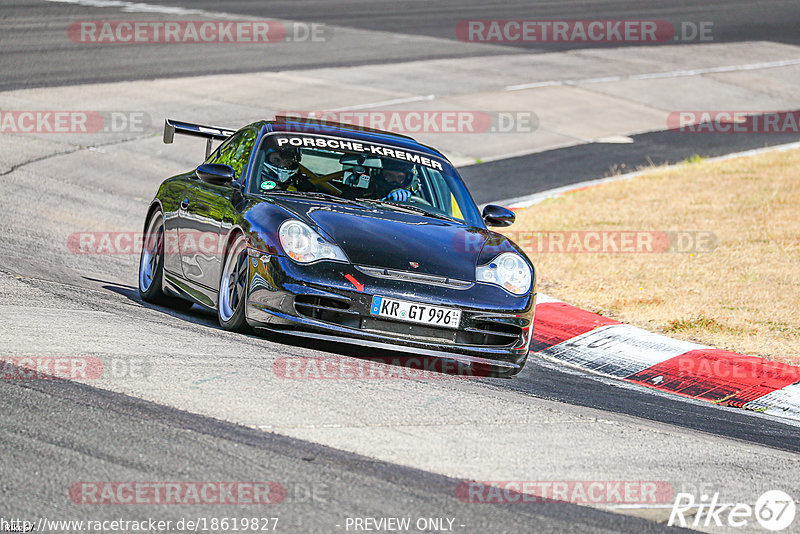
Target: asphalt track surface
37 52
78 433
734 20
524 175
54 433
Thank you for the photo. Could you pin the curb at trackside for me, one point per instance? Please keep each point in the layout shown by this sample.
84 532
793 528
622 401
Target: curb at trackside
583 339
591 342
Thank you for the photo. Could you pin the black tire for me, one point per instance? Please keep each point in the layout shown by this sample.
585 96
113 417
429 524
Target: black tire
232 295
151 266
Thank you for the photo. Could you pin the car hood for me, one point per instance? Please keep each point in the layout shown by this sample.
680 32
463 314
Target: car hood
380 237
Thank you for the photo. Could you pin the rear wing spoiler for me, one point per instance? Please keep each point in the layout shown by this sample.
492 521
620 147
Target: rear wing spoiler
209 133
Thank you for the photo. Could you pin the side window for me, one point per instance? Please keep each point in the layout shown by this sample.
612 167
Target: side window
235 151
224 147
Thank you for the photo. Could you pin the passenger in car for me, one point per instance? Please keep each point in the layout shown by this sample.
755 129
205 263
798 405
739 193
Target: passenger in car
281 171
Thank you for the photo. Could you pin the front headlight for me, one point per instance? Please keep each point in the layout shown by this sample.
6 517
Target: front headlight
509 271
304 245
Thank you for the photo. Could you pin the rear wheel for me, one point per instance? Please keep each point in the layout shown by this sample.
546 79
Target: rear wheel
233 287
151 266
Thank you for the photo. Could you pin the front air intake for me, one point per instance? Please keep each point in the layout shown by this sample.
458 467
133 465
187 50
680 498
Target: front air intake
327 310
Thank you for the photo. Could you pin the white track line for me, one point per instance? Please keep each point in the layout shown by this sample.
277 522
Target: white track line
658 75
392 102
139 7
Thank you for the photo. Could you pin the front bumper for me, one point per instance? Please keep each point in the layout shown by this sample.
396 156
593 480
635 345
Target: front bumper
321 301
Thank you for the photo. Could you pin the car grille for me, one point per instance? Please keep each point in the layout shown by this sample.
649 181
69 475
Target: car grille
327 309
481 333
416 278
490 333
484 334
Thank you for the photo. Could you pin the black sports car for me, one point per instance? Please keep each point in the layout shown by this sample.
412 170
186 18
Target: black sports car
339 233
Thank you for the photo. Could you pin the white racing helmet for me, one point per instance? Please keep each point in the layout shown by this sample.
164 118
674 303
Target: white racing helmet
283 163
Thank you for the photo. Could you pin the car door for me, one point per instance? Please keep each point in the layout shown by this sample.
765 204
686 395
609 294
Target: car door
207 208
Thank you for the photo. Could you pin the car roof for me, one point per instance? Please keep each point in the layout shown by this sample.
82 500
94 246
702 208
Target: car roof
349 131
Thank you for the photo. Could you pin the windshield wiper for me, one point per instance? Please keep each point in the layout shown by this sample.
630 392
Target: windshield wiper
362 201
415 209
317 194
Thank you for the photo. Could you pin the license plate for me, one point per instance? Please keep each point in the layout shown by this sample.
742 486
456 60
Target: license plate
415 312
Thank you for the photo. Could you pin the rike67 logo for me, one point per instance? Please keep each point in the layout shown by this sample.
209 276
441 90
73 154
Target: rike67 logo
774 510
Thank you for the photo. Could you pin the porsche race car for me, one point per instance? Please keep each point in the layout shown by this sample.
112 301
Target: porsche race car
343 234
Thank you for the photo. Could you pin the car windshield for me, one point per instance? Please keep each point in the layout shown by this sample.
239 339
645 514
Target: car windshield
394 178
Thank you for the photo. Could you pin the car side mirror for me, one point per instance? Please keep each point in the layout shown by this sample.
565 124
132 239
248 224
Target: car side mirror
215 173
498 216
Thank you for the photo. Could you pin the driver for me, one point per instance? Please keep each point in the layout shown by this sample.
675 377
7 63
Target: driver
395 181
281 170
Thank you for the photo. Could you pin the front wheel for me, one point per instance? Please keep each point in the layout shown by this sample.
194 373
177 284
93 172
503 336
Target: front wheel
151 266
233 287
